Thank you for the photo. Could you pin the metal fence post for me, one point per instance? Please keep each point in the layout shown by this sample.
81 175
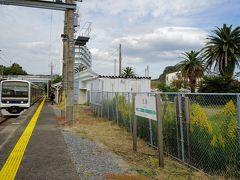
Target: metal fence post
116 99
150 131
159 131
107 105
129 113
177 129
134 118
181 124
102 105
238 109
187 114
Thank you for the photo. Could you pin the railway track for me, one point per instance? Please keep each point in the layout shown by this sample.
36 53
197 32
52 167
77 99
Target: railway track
3 120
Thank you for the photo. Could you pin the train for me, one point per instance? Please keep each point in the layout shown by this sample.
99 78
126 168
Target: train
18 95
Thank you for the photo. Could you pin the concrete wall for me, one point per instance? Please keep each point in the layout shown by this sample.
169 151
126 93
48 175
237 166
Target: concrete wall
121 85
89 80
82 96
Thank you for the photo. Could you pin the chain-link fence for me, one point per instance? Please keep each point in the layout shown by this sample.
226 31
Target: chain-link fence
201 130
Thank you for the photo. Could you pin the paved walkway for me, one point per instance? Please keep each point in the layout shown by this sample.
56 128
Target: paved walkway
33 147
46 155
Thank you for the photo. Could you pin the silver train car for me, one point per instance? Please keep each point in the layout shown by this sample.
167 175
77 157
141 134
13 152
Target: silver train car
18 95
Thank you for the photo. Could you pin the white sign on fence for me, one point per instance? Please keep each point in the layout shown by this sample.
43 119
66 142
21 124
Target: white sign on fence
145 106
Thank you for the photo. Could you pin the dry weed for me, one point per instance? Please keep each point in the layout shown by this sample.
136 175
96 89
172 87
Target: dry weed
119 141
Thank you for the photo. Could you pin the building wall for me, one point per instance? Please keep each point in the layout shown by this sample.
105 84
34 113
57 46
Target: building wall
83 56
121 85
174 76
171 77
82 96
87 80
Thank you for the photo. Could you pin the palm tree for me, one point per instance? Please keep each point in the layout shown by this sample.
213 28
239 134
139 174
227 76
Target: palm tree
192 68
222 50
128 72
79 68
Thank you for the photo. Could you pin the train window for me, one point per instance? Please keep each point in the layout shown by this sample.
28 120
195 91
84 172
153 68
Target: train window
15 89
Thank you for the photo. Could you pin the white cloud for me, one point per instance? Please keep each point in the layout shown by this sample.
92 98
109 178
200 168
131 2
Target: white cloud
159 48
151 32
34 45
31 37
137 9
166 38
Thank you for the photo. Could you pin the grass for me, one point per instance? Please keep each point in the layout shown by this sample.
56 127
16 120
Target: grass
155 83
213 110
215 117
119 141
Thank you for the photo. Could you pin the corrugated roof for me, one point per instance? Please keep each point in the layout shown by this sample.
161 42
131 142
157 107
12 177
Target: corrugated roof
124 77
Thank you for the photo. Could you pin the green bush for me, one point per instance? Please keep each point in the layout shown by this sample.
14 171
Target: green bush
170 128
218 84
211 149
164 88
213 137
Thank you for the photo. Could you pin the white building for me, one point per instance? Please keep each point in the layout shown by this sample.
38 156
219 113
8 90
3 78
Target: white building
175 76
171 77
121 84
82 58
88 80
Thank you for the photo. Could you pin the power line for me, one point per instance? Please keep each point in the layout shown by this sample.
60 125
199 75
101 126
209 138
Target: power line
120 59
4 61
50 36
5 56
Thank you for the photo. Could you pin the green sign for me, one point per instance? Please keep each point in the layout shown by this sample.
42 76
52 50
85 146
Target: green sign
148 111
145 106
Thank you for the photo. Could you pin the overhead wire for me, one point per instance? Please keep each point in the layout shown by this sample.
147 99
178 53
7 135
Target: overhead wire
6 57
4 61
112 54
50 38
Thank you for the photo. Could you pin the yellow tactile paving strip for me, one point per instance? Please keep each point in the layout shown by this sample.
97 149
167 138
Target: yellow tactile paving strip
13 162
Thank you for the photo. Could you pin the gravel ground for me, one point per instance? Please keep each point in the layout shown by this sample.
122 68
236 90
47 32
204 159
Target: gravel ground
91 160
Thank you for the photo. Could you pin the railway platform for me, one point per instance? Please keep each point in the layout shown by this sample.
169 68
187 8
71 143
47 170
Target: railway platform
36 148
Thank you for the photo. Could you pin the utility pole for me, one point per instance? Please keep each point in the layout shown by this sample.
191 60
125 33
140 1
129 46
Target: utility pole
120 60
115 65
68 47
147 70
64 65
51 71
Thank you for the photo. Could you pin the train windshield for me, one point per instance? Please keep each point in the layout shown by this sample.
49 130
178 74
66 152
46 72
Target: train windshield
15 89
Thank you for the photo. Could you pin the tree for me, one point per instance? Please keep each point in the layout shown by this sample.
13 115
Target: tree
57 79
79 68
216 84
128 72
167 70
180 82
164 88
14 69
192 68
222 50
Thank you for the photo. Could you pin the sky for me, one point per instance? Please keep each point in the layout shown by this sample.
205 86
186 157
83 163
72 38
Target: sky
153 33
